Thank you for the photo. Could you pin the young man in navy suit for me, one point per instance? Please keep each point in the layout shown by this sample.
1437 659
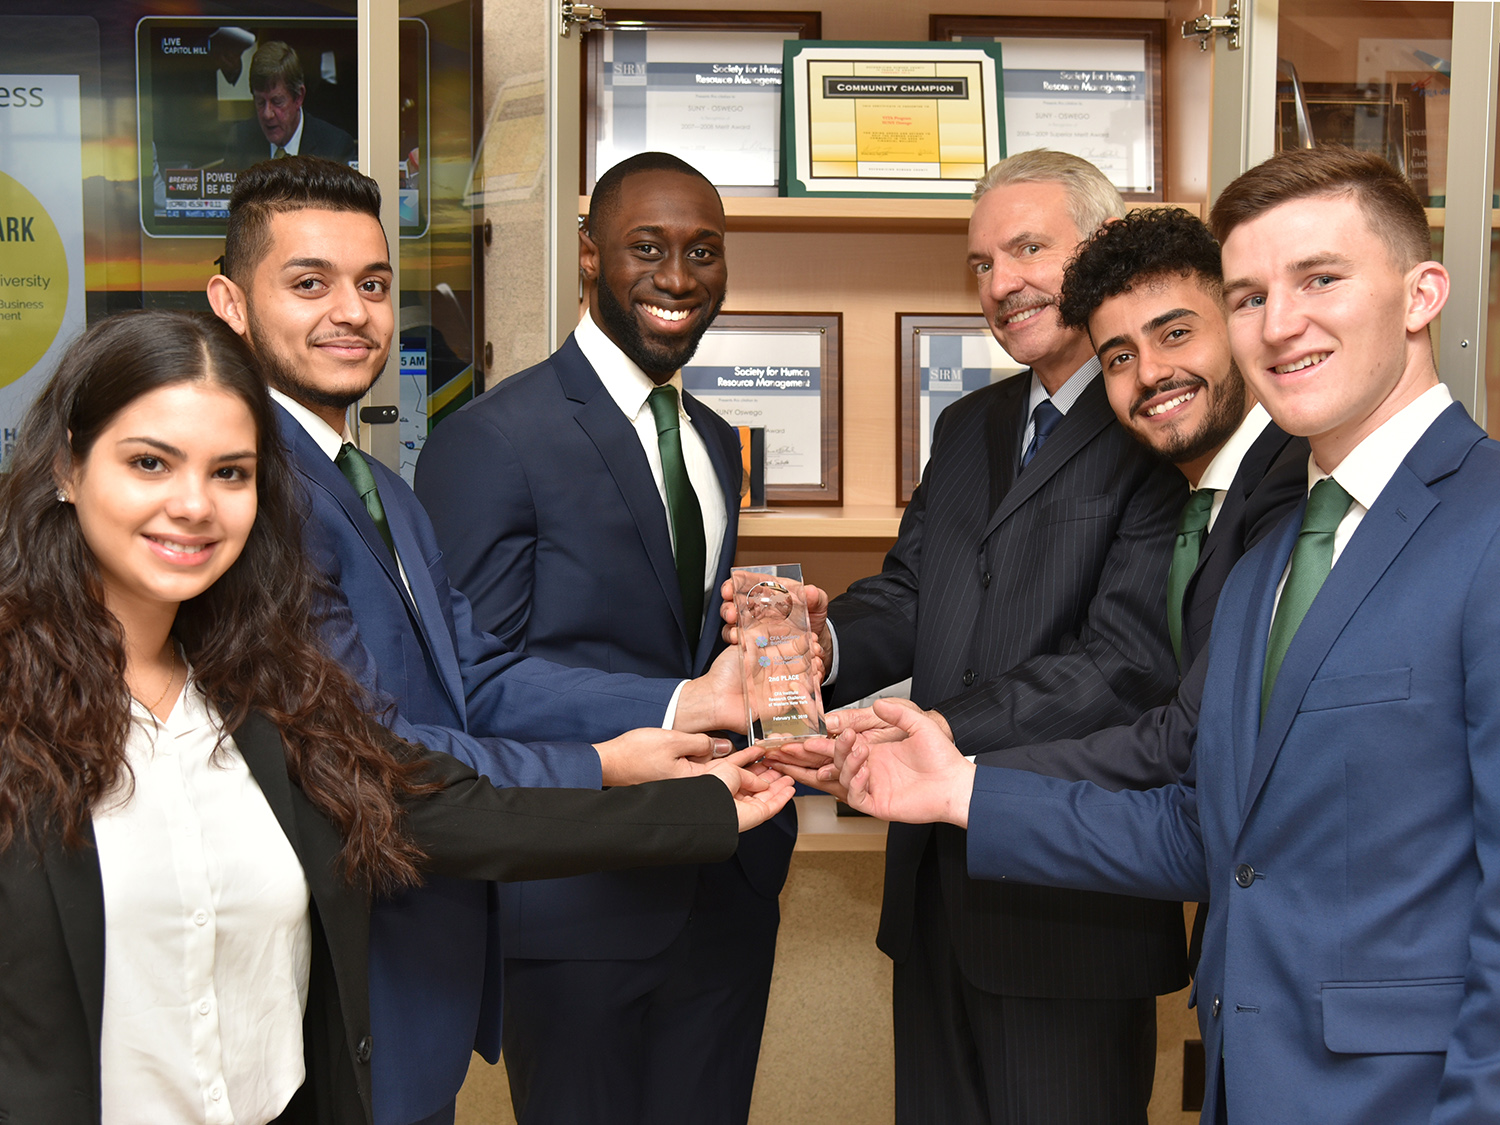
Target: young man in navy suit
601 529
1343 799
307 282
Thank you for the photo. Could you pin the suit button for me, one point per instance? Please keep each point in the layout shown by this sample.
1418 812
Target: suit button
984 580
1244 874
362 1052
1216 1007
968 677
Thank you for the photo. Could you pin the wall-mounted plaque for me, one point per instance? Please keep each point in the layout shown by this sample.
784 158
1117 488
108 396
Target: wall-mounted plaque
779 371
1091 87
884 118
941 359
705 86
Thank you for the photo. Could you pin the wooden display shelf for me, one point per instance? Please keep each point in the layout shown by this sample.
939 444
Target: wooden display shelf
835 213
855 522
821 829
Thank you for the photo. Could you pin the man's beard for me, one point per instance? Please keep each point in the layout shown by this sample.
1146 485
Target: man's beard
654 357
1226 410
283 375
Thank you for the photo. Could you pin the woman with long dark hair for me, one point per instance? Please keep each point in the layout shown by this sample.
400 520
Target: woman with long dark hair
195 807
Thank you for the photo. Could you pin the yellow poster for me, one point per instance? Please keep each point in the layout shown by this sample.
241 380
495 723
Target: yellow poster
41 235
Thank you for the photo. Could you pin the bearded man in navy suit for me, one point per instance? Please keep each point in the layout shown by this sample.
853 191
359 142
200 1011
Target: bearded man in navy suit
601 528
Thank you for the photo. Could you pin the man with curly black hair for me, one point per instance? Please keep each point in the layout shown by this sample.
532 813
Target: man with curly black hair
1149 291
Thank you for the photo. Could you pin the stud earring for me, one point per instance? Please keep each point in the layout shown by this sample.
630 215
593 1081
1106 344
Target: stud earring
62 497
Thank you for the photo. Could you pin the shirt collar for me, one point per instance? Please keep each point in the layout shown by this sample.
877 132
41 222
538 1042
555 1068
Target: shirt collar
1069 392
1369 466
626 383
1226 463
294 145
328 439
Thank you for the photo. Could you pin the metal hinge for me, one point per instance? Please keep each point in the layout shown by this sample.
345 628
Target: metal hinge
1227 25
585 16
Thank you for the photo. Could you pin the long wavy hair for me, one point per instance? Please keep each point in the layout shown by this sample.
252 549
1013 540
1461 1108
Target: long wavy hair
251 638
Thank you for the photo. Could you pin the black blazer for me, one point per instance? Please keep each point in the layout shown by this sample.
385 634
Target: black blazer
1025 608
52 936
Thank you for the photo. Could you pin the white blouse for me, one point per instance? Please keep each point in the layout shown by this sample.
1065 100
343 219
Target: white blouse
207 938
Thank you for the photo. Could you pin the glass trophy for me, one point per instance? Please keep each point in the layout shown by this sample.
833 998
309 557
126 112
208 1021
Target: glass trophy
776 646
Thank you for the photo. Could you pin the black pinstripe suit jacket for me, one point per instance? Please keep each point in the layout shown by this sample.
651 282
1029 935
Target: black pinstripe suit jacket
1025 608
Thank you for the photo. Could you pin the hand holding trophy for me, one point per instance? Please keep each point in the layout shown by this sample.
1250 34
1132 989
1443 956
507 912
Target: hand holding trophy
776 651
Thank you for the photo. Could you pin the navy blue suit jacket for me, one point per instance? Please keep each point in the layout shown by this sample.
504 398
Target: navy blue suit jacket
1351 963
549 516
435 951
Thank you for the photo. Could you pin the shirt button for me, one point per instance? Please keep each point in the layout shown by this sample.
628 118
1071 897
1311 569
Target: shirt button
968 677
201 918
1244 874
204 1007
216 1093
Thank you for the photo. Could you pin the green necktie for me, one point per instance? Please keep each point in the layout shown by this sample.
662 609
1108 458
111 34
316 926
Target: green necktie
1192 529
1312 559
352 464
279 153
682 506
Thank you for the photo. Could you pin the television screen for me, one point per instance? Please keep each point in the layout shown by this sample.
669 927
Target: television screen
217 95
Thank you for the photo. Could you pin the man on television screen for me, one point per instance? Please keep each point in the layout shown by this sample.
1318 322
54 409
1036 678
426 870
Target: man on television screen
280 127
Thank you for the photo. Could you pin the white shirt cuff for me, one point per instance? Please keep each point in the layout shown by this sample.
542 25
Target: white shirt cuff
833 659
671 715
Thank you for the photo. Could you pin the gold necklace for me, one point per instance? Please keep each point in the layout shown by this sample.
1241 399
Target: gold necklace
172 679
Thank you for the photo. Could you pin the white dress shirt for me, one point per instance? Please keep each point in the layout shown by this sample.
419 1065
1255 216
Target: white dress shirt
1226 463
207 938
1369 466
629 386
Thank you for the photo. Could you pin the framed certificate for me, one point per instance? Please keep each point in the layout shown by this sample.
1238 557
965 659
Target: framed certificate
1092 87
941 359
779 371
890 119
705 86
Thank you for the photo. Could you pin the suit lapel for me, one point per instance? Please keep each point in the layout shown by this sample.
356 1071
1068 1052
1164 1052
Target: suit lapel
1003 434
1229 527
401 510
728 471
613 436
78 891
1089 415
1403 505
324 475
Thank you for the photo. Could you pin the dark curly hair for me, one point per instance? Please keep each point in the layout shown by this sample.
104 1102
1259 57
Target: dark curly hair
1149 243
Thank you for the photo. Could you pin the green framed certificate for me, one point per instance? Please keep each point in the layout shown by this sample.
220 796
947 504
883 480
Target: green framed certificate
889 119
